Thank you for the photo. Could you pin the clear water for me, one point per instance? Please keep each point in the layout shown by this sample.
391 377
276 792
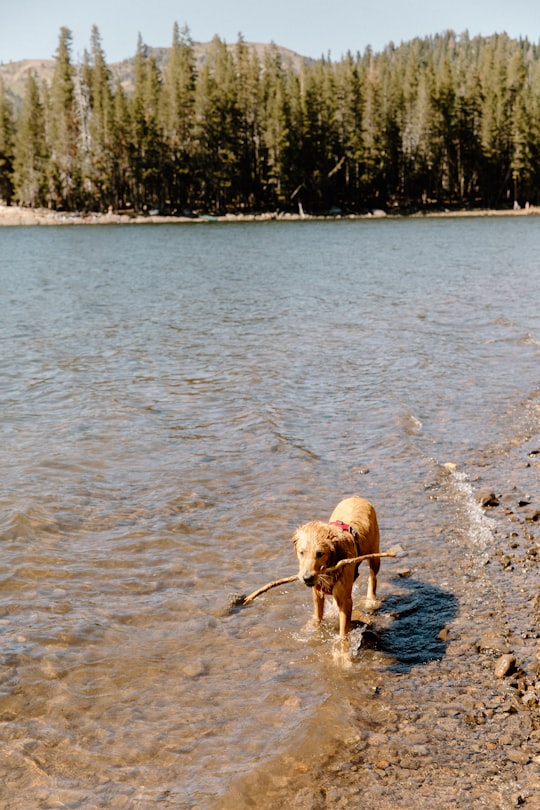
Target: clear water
175 400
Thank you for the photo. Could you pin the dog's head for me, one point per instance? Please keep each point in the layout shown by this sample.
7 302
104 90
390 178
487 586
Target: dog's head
317 547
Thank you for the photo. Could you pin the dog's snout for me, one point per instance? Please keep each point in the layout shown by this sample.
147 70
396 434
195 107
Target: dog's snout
309 579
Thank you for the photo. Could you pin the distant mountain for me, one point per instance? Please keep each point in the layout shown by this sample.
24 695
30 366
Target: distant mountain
14 73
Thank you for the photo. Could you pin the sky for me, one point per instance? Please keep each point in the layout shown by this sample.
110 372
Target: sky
29 29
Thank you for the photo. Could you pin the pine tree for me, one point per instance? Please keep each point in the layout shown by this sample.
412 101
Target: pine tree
348 91
148 152
372 178
321 153
63 130
519 124
177 118
495 167
249 98
123 181
391 124
30 153
216 129
468 122
444 140
276 134
534 133
96 118
7 130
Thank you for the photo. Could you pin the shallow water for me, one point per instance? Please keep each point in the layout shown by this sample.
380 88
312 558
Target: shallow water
175 400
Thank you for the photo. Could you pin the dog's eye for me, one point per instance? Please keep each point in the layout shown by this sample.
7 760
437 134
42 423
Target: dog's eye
319 554
301 553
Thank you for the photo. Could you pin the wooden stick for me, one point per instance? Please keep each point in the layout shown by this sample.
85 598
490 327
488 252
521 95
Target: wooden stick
274 584
247 599
352 560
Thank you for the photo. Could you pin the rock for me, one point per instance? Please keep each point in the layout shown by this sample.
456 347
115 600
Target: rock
236 599
518 756
487 498
532 514
492 643
505 665
398 550
506 561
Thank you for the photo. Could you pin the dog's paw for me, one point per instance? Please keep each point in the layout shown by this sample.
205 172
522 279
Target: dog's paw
342 653
311 626
371 603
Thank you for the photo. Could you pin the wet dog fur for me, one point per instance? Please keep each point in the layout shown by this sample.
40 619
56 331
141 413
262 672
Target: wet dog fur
321 545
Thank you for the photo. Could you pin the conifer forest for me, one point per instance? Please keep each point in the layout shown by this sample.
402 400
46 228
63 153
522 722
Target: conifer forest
443 121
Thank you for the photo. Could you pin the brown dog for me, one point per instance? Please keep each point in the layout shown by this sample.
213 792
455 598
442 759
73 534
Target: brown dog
351 532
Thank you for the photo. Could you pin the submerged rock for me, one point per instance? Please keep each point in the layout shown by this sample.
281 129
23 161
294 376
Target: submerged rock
487 498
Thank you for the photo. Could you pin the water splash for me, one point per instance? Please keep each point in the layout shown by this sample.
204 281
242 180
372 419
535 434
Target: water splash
477 526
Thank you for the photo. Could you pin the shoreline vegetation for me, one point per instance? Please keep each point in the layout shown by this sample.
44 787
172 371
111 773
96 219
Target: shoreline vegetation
14 215
448 121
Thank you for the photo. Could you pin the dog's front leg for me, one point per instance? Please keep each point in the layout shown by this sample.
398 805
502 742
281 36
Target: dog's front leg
345 613
318 605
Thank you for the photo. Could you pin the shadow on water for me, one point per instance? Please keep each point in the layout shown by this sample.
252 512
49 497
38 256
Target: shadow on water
418 615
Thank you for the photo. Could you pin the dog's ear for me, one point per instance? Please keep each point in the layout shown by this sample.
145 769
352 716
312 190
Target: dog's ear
342 547
337 552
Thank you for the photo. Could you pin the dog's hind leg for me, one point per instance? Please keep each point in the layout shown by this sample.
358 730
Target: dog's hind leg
374 566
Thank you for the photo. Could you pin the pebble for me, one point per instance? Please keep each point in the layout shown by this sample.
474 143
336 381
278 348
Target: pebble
487 498
518 756
398 550
493 643
505 664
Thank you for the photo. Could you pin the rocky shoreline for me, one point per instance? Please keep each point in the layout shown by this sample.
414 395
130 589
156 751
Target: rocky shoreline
494 718
459 732
11 215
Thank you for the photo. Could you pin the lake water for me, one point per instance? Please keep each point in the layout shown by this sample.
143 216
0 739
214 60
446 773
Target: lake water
175 400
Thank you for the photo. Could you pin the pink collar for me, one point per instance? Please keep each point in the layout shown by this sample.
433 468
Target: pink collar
352 531
345 527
